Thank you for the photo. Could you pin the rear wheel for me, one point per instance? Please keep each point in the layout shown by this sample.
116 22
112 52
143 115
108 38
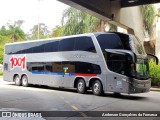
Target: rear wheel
25 81
17 80
97 88
81 86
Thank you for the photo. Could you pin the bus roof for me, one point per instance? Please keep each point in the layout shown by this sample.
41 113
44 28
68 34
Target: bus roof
56 38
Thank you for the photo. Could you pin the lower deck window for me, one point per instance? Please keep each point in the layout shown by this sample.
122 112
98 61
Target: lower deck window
68 67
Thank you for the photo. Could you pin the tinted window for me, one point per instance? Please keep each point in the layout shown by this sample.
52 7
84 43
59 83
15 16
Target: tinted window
67 44
5 66
51 46
87 68
57 67
109 41
117 63
125 40
49 68
38 69
27 48
38 47
13 49
68 67
84 44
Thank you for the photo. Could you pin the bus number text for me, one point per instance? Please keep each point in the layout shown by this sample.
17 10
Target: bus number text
18 62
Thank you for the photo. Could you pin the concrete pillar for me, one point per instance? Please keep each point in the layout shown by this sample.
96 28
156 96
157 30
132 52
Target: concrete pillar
157 44
132 17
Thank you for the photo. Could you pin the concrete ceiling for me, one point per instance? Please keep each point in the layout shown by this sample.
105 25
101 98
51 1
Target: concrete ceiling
108 10
129 3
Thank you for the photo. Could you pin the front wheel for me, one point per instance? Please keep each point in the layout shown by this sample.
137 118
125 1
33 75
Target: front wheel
25 81
81 86
97 88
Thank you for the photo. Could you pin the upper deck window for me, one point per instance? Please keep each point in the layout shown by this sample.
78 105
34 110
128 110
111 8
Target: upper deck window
84 44
109 41
67 44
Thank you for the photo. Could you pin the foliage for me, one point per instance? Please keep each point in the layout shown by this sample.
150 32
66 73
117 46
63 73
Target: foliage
1 74
154 73
113 28
57 32
148 12
78 22
43 32
3 40
13 31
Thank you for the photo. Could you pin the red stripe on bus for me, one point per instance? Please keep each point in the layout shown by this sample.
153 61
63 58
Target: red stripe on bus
80 74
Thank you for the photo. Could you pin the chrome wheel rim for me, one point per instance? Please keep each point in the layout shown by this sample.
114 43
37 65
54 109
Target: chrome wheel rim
80 86
96 87
24 81
17 80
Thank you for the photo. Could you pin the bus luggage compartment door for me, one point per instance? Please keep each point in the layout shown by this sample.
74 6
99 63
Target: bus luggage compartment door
117 83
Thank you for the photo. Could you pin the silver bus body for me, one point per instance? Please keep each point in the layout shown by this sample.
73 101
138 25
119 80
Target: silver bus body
65 68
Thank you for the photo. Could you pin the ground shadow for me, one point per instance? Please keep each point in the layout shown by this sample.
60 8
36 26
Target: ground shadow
89 92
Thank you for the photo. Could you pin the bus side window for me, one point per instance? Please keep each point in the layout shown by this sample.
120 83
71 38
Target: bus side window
51 46
5 66
117 63
87 68
67 44
38 47
38 69
96 69
84 44
57 67
68 67
48 68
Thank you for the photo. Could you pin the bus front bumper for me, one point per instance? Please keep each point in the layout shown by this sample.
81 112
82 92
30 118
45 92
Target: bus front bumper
139 86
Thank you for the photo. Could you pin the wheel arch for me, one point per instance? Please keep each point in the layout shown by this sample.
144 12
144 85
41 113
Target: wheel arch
15 76
23 75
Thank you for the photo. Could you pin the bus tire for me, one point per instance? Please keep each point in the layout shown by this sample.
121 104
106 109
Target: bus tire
97 88
81 86
17 80
25 81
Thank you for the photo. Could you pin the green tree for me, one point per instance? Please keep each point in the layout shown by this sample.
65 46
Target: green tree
57 31
77 22
148 13
3 40
43 32
13 31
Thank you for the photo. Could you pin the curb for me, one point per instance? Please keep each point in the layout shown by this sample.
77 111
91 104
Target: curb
155 89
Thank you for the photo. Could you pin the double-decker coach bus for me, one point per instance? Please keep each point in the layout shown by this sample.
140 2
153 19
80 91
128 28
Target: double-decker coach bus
102 62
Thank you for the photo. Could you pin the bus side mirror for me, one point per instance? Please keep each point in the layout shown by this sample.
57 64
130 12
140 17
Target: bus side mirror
155 57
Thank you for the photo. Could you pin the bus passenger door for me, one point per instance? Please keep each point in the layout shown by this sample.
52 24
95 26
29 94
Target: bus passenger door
116 78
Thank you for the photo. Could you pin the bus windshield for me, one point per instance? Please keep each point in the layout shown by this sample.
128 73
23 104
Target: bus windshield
141 69
136 45
118 62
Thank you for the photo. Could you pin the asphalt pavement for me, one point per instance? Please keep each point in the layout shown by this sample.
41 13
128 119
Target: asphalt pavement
41 98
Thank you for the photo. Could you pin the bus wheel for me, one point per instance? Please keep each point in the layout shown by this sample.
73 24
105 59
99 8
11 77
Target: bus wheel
25 81
17 80
97 88
81 86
